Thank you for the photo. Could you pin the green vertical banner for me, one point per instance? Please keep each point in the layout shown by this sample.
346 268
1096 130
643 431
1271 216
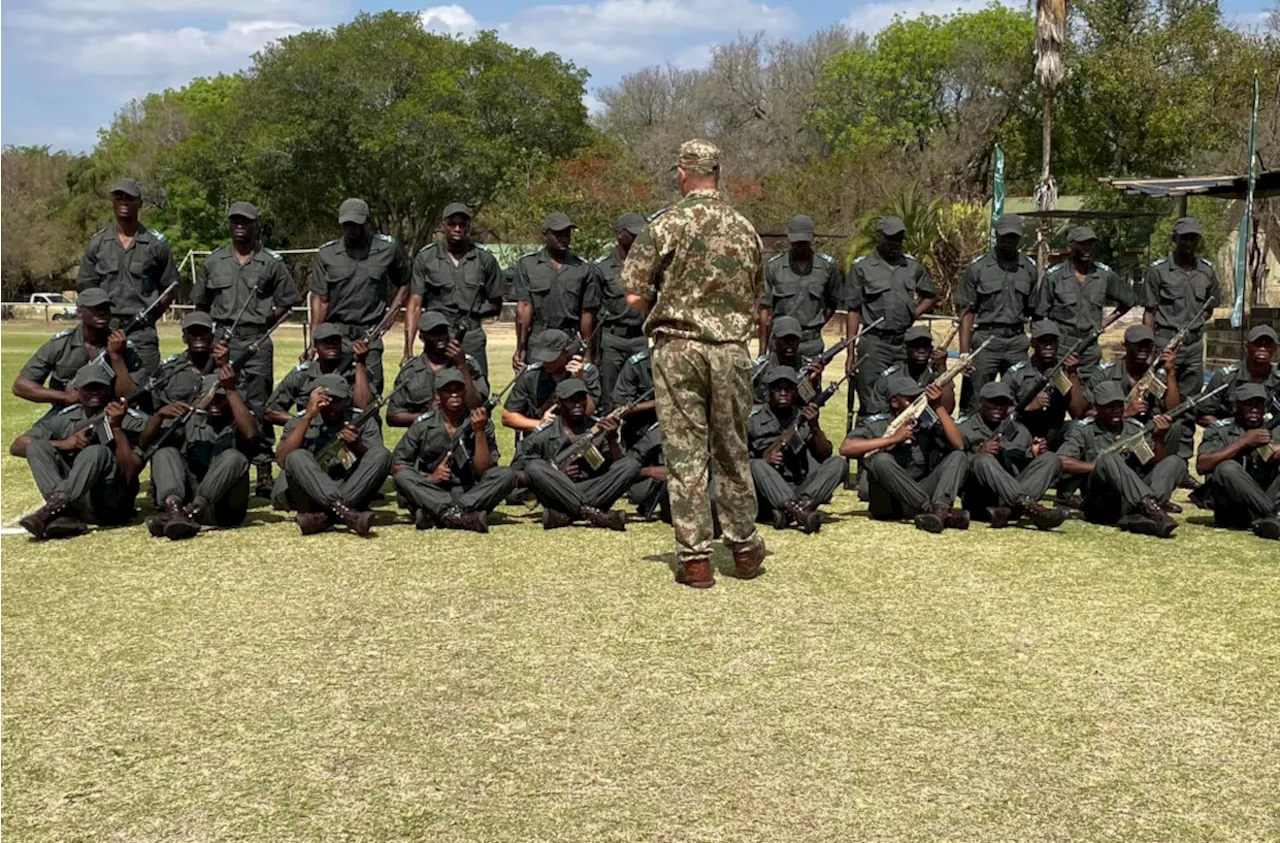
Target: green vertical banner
1246 222
997 192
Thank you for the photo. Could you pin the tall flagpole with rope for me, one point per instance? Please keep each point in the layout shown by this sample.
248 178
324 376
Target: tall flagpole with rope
1051 37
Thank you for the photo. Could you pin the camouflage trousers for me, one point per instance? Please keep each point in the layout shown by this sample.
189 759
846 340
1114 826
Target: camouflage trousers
703 392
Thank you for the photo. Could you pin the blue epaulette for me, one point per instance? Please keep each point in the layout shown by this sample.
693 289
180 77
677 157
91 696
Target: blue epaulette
978 258
754 410
1229 370
137 414
1016 367
68 408
528 254
1159 262
962 420
303 366
1206 262
876 417
426 247
825 257
330 243
1132 420
544 425
659 213
638 357
777 256
586 366
889 371
1102 367
860 259
1085 422
1031 261
170 359
1103 265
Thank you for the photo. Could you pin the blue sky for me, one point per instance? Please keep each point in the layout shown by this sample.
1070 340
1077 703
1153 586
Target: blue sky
69 65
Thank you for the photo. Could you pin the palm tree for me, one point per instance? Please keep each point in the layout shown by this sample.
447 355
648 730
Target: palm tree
1051 37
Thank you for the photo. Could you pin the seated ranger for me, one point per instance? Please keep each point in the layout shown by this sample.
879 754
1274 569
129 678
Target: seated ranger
1051 411
332 468
201 472
792 478
533 395
84 459
181 375
570 486
786 333
1240 459
641 435
1009 471
923 365
294 391
415 386
1258 366
445 469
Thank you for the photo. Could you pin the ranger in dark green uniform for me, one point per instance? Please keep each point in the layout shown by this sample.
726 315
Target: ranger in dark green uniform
58 360
554 288
793 481
446 468
90 474
786 333
181 375
294 390
641 435
1049 416
923 364
342 492
1073 293
579 491
1118 489
352 279
459 279
1258 367
1243 479
888 284
1139 353
1007 475
918 470
996 297
803 284
133 265
621 326
414 391
532 399
1178 290
202 473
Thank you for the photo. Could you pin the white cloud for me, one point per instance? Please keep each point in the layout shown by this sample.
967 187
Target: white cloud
61 24
177 54
694 58
221 9
594 104
873 17
448 20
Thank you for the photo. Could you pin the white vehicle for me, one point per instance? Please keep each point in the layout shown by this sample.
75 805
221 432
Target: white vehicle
53 306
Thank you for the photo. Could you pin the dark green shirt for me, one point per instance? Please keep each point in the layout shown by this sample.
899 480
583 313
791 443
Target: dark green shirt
535 388
1223 406
1075 306
359 286
426 441
1178 295
71 418
294 390
805 294
763 429
1022 379
635 382
1223 432
999 294
550 438
615 314
1087 439
132 277
878 289
320 433
1115 373
224 285
64 353
177 381
418 379
1015 450
917 456
878 400
558 297
452 289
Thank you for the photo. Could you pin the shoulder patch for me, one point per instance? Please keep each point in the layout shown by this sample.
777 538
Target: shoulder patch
428 414
1229 370
638 356
876 417
158 235
68 408
137 414
1016 367
1084 422
385 238
1159 262
330 243
1103 265
275 254
1221 423
62 334
302 367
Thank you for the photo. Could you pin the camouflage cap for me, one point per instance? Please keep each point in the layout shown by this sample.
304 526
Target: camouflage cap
633 223
1108 392
918 333
129 187
326 331
1186 225
444 377
197 319
787 326
454 209
93 373
699 156
557 221
242 209
334 384
1250 392
890 226
904 386
1081 234
1135 334
353 210
1045 328
550 344
777 374
800 229
570 387
1256 334
431 320
93 297
1009 224
996 391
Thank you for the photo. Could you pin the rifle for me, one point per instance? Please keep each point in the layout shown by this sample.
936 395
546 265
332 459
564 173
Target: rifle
1265 451
585 446
1136 443
583 344
921 401
371 335
789 433
1150 380
141 318
805 388
462 322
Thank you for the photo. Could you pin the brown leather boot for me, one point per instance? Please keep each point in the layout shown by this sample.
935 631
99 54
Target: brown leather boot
609 520
807 519
265 484
1150 509
1267 528
312 522
933 519
1171 507
958 519
748 562
424 520
554 519
1040 515
177 525
695 573
155 524
196 509
1000 516
37 523
358 521
457 518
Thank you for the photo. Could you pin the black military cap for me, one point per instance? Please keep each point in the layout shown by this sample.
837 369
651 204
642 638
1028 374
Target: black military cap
1258 333
570 387
1186 225
918 333
1250 392
889 226
633 223
557 221
129 187
1108 392
334 384
787 326
904 386
1135 334
326 331
1009 224
444 377
197 319
996 391
1081 234
550 345
776 374
455 208
1045 328
431 320
800 229
93 297
242 209
94 372
353 210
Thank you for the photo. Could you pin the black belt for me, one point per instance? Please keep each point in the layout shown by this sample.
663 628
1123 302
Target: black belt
892 337
1003 330
355 330
243 330
626 332
811 334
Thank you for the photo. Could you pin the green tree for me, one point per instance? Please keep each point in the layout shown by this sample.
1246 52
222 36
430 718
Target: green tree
39 243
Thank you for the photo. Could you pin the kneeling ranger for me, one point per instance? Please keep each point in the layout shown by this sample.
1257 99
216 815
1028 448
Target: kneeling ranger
1240 459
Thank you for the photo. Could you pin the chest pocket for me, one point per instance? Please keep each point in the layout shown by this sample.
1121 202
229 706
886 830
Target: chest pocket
877 284
549 306
439 284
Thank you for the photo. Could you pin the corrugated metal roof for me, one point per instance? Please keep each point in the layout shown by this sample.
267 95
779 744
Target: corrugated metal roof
1222 187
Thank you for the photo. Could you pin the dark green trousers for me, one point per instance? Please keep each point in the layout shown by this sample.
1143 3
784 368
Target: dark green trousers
93 481
225 485
257 379
1189 369
1115 489
773 492
481 496
145 341
895 494
1005 350
1239 499
615 350
989 483
304 486
877 354
555 490
1089 358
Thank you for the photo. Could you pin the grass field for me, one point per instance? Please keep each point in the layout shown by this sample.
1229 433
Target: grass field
875 684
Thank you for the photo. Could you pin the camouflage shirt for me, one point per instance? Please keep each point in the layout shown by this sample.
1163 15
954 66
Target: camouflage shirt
700 263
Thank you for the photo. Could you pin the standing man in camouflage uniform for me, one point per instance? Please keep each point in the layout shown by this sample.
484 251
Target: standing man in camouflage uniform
621 326
459 279
353 277
554 288
245 282
133 264
1073 293
1178 290
698 266
995 294
892 285
802 283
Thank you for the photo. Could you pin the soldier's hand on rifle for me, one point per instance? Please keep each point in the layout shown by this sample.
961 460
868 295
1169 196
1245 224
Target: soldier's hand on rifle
479 418
1039 402
349 434
850 363
116 344
77 441
440 473
1169 358
992 447
1071 364
609 426
309 353
573 470
813 369
1137 408
903 434
227 377
933 394
455 353
810 415
1257 437
517 361
319 399
773 458
176 410
115 413
360 351
1161 425
574 366
939 360
221 354
1039 445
